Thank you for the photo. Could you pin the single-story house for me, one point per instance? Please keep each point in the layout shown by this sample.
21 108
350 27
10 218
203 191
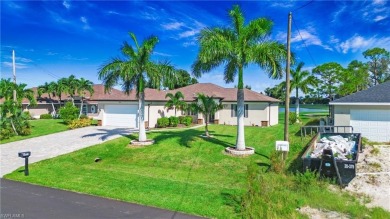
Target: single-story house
367 111
118 109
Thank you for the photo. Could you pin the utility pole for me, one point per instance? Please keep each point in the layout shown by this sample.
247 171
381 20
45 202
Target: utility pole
14 72
287 101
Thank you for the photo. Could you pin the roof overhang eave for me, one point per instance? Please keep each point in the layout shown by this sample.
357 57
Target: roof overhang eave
359 104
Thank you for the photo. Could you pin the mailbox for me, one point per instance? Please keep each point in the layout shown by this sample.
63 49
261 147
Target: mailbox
25 155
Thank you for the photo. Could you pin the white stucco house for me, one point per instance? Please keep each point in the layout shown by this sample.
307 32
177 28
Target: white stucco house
368 112
118 109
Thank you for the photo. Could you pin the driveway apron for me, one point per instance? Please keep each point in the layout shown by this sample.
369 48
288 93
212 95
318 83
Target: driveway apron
53 145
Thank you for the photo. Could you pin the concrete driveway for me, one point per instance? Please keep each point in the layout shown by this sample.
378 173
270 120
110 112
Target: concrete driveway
49 146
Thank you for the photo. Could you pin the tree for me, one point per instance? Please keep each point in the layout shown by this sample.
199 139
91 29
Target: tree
206 105
134 71
83 86
175 101
329 77
277 91
378 64
181 78
236 47
301 80
48 88
10 110
71 85
355 78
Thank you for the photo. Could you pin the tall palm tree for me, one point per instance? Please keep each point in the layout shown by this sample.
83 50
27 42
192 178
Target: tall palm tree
134 71
48 88
83 86
301 80
175 101
207 106
60 88
237 47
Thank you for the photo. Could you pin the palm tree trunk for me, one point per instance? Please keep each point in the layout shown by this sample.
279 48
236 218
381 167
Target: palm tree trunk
141 117
240 144
13 126
297 103
207 125
81 107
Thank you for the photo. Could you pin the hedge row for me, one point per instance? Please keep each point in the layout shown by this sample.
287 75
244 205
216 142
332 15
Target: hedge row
173 121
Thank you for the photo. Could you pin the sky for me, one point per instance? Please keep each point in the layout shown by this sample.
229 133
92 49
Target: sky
54 39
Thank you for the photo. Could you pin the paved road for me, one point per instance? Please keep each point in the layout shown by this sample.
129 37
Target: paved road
21 200
49 146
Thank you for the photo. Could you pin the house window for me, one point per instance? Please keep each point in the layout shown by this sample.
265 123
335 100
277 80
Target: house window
191 113
234 110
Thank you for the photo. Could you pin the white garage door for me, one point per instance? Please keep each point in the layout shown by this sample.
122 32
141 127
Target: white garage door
120 115
373 124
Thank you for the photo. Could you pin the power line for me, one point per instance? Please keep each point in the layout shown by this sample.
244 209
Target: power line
304 43
38 66
303 6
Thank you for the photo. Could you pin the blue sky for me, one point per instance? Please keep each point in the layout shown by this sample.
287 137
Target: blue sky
54 39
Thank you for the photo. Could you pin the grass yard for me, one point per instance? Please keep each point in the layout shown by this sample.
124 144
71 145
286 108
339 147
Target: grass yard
40 127
184 172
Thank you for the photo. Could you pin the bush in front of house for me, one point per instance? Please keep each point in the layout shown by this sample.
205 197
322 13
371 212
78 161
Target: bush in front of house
83 116
173 121
181 119
69 112
79 123
187 120
162 122
45 116
6 133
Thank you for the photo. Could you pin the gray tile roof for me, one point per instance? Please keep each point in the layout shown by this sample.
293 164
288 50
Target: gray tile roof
377 94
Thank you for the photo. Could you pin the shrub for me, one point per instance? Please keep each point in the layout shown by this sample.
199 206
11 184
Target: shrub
162 122
181 119
25 131
277 162
45 116
292 118
6 133
69 112
187 120
173 121
79 123
82 116
27 115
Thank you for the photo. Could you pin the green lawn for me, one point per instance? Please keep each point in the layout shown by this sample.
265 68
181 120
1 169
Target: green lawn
185 172
40 127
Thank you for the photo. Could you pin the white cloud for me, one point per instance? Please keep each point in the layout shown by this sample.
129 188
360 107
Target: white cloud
13 5
309 38
51 53
85 22
66 4
172 25
379 18
282 4
56 17
17 64
189 43
70 57
357 43
162 54
188 33
379 2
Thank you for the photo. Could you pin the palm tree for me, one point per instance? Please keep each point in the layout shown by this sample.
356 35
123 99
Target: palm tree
175 101
48 88
71 85
301 80
83 86
60 88
207 106
134 71
237 47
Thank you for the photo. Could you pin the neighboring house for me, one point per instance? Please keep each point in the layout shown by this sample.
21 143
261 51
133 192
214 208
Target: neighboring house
118 109
368 112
